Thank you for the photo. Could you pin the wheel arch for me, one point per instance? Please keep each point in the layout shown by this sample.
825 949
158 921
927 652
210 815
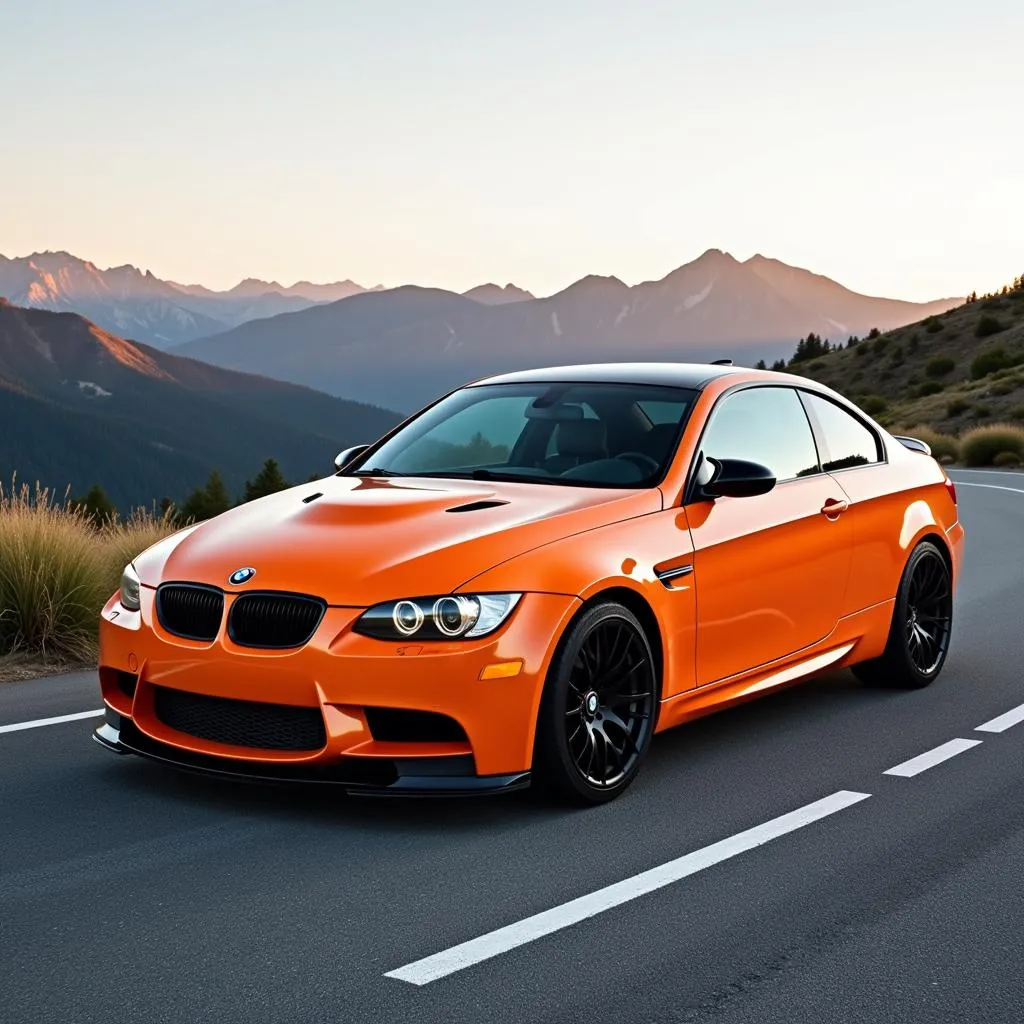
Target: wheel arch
641 608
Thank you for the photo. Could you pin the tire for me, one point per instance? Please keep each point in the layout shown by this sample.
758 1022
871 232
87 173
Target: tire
922 622
598 708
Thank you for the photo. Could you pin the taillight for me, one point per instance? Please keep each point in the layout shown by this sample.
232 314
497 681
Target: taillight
951 487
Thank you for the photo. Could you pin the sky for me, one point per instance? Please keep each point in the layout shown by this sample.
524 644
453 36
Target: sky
452 142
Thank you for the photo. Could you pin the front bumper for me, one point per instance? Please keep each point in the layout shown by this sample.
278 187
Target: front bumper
438 776
344 677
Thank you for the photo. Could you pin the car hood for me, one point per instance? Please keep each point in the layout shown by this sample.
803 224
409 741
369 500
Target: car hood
357 541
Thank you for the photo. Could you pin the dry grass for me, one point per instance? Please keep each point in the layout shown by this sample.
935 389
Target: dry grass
982 446
57 569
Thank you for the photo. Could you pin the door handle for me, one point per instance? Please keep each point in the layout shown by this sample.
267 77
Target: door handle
833 507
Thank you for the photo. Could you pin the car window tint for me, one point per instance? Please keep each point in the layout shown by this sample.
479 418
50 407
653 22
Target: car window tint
481 434
763 425
848 442
588 414
663 412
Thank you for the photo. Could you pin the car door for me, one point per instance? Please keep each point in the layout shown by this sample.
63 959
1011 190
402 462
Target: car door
853 455
770 571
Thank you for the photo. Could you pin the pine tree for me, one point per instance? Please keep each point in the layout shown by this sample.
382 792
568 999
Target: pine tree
269 480
760 365
96 505
208 501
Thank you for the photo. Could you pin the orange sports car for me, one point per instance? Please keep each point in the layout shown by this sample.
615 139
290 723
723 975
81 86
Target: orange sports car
532 576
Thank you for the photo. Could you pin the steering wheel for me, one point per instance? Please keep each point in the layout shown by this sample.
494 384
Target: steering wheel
644 463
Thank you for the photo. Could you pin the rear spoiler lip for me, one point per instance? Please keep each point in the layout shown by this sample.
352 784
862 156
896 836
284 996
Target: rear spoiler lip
913 444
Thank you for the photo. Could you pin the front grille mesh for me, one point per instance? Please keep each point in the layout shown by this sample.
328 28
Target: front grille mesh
241 723
273 620
189 610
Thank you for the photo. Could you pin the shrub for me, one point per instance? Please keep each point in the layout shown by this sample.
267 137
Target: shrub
943 446
981 410
1003 387
987 326
1006 459
863 350
940 366
957 406
874 404
929 387
980 446
1017 412
880 343
933 325
57 569
988 361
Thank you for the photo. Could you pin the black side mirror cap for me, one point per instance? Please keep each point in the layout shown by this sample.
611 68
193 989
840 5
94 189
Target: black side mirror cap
343 458
737 478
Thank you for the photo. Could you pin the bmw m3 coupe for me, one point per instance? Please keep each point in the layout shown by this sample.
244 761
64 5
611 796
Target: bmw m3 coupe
528 579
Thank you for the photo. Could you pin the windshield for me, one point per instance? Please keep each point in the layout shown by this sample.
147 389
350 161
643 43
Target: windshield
596 435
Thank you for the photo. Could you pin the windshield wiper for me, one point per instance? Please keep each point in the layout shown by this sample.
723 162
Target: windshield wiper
375 472
490 474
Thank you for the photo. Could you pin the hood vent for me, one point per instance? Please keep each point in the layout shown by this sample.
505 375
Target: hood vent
477 506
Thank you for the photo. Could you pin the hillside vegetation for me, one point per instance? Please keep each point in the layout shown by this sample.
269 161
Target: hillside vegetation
80 406
959 370
58 566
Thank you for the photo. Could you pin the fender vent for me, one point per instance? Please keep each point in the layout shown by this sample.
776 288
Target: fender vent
477 506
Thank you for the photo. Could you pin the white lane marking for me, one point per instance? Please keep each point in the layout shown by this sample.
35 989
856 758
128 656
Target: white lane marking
466 954
1003 722
40 722
991 487
930 758
989 472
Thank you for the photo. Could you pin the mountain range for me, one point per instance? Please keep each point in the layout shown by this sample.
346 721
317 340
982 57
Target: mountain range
401 347
79 405
135 304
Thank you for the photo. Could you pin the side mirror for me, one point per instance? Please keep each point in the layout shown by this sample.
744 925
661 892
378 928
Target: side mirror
736 478
343 458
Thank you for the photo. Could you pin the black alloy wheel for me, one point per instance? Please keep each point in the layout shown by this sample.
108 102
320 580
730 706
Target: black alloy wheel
598 709
921 627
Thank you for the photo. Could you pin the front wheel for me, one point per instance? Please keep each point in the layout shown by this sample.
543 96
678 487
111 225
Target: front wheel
597 711
922 621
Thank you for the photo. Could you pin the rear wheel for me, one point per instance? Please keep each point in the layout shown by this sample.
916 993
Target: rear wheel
922 622
597 711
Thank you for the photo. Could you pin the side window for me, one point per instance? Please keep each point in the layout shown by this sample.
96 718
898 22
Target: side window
765 425
848 442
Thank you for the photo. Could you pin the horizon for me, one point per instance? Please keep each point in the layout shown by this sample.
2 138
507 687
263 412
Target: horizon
465 145
285 285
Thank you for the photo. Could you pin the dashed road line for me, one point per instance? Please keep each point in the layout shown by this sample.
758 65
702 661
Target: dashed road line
40 722
930 758
484 947
1003 722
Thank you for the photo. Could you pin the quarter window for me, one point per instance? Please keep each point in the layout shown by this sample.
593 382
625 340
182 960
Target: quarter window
848 442
764 425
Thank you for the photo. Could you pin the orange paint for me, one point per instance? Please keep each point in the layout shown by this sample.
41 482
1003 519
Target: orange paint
761 591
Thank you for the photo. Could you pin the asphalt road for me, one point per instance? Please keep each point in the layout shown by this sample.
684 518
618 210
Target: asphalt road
132 893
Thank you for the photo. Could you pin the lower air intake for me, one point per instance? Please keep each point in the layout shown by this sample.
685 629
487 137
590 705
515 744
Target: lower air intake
241 723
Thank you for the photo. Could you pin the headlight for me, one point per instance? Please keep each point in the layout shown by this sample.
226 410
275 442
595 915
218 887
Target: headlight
130 588
448 617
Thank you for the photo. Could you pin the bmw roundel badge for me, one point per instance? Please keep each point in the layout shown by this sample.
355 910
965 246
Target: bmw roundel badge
240 576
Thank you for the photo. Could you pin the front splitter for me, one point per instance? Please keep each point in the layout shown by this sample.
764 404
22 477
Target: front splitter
435 776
